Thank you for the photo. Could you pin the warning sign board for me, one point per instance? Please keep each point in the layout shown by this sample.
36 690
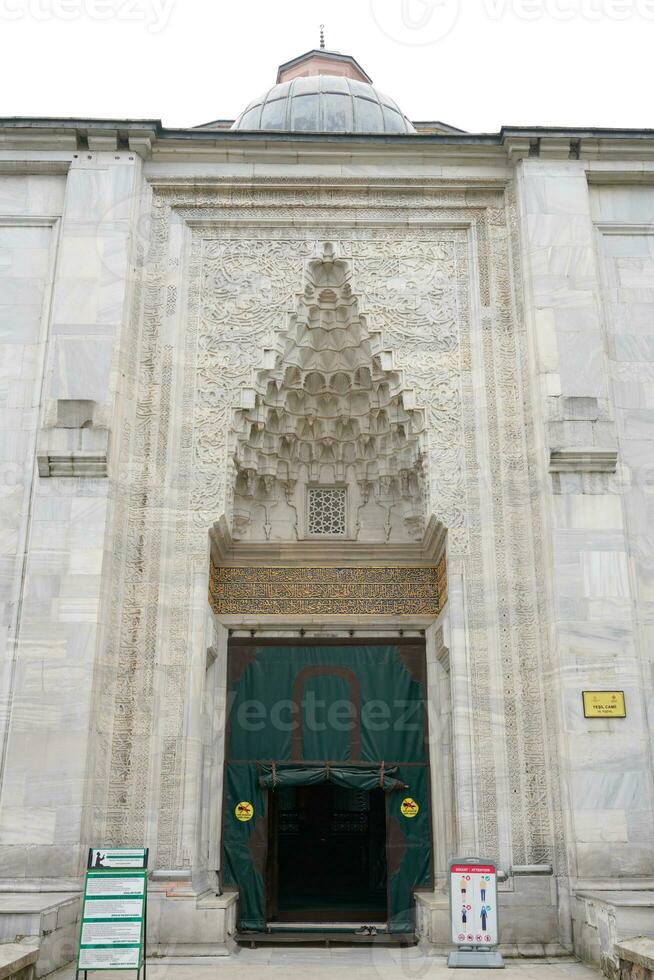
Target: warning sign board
473 903
244 811
409 808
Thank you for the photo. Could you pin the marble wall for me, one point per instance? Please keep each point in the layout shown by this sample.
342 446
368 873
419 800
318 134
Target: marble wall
30 209
63 265
624 219
589 288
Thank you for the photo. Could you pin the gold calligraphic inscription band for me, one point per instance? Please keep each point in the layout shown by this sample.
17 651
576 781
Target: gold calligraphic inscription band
387 591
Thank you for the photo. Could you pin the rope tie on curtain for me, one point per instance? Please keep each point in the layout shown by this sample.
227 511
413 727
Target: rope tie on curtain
327 768
274 775
381 775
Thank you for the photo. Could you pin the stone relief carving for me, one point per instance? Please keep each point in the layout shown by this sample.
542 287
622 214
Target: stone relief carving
327 408
242 272
385 272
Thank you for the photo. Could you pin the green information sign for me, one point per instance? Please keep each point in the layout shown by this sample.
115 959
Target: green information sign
112 932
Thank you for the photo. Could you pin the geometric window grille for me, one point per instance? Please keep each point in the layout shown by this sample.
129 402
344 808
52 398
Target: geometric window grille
327 510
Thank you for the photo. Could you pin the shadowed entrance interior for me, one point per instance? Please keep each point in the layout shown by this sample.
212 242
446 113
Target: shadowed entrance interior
327 855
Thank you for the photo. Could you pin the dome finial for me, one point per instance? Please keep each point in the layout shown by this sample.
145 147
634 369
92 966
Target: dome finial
322 37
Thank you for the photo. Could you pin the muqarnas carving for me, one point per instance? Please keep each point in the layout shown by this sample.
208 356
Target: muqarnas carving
328 409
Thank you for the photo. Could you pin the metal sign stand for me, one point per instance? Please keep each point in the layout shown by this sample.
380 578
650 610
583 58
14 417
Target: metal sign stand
139 862
476 932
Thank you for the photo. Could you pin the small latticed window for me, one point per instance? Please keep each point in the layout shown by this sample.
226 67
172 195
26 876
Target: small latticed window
327 511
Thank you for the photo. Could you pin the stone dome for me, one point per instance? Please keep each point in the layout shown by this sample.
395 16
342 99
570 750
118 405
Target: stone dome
324 104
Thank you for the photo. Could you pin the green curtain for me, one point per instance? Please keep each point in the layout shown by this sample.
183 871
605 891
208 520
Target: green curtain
352 777
245 845
345 704
301 705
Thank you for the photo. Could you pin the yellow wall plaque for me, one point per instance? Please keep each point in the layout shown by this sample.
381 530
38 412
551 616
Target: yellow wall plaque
604 704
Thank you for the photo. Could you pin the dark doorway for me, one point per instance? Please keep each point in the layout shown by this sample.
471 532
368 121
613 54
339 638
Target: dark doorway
327 855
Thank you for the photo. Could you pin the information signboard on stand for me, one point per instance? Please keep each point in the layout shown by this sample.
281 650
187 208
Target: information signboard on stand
114 911
474 911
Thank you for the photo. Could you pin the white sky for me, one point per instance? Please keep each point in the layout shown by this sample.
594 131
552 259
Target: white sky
476 64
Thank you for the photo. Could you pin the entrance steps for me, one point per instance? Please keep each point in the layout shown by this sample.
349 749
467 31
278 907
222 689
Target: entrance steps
17 961
44 923
603 918
183 923
320 936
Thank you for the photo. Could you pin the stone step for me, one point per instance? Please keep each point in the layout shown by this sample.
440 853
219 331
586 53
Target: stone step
44 921
17 961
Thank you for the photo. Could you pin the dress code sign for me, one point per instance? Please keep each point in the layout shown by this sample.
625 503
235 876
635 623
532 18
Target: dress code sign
473 904
112 931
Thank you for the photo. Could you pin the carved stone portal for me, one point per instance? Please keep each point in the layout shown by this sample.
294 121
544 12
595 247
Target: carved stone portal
328 410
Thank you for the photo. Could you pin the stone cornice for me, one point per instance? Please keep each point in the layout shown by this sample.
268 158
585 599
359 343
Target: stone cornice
472 185
21 165
150 136
583 460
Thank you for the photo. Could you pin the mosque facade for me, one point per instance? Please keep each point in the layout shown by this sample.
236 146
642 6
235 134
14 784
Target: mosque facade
327 549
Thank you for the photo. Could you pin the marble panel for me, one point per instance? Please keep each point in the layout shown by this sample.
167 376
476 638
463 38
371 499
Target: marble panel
76 301
27 825
45 862
632 346
628 204
639 425
35 194
609 609
600 825
562 292
584 319
554 195
605 573
13 860
82 367
616 859
640 828
563 260
628 245
100 196
608 790
581 363
597 511
547 230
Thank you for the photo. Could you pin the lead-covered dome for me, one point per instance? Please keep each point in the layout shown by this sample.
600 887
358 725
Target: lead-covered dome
321 96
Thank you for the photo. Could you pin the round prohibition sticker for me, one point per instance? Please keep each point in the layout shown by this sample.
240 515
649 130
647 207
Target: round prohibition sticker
243 811
409 808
